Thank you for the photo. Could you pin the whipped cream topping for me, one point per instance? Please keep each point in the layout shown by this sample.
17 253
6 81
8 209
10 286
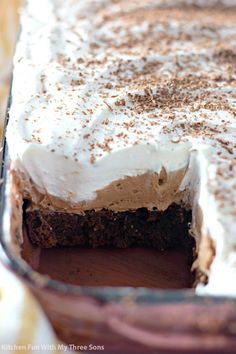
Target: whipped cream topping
108 89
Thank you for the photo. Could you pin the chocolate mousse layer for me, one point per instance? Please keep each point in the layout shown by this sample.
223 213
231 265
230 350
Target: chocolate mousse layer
106 228
148 190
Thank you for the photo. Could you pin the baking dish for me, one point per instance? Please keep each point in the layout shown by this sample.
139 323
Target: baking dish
122 319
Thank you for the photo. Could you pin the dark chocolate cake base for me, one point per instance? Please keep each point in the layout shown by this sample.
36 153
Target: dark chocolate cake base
105 228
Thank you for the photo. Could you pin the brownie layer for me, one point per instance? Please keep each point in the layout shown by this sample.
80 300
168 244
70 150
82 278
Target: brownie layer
106 228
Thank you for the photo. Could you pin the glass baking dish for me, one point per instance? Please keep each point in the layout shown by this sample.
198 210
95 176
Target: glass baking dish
122 319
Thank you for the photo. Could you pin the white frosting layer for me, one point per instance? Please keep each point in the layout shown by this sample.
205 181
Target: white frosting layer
104 90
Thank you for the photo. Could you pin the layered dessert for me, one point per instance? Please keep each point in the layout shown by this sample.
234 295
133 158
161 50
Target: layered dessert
122 128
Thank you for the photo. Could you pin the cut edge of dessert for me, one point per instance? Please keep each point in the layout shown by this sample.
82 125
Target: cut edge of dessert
141 230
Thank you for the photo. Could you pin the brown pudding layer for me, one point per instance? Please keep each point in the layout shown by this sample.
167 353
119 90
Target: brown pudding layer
106 228
148 190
